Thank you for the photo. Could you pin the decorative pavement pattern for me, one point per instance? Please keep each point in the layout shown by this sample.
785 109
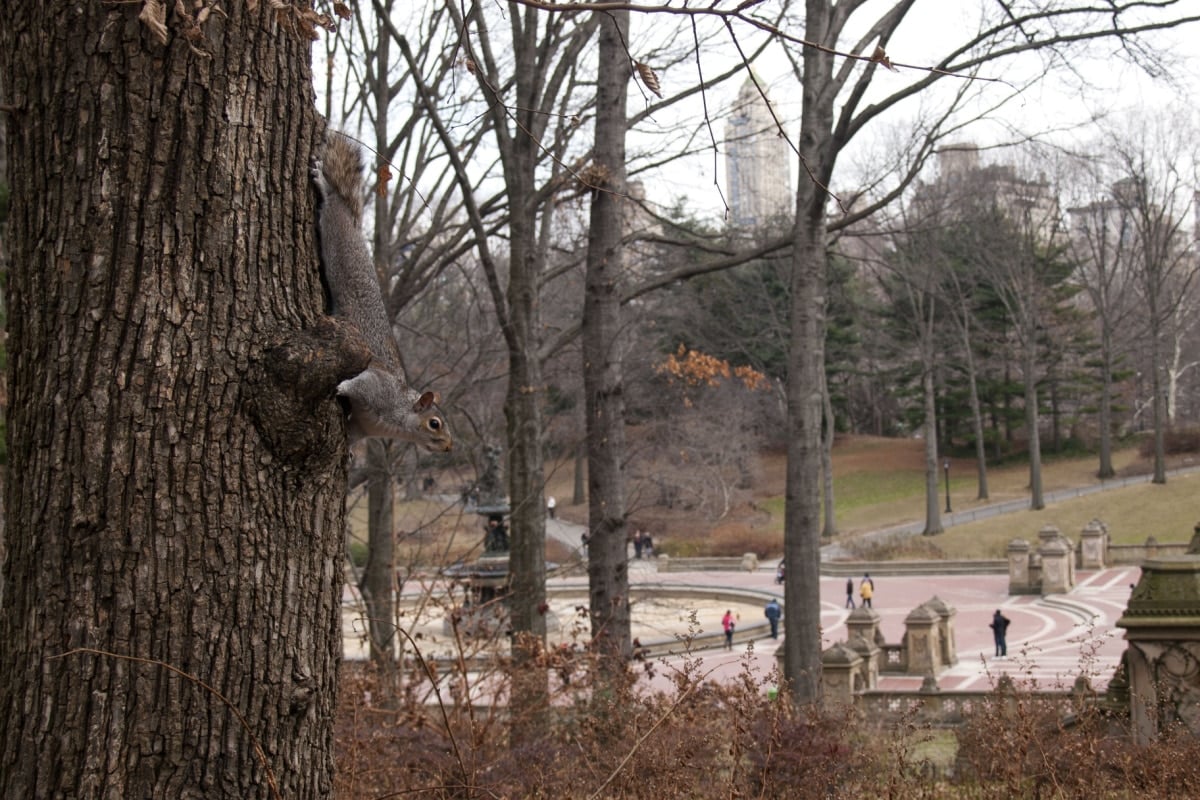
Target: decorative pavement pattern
1051 641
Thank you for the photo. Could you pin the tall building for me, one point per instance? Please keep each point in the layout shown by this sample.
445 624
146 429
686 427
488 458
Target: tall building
757 162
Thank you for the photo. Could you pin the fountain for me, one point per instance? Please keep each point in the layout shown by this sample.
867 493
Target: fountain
485 579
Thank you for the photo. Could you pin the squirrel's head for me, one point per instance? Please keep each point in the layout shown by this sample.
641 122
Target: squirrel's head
434 430
382 405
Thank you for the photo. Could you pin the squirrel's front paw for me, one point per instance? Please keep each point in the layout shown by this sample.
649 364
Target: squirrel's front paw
317 176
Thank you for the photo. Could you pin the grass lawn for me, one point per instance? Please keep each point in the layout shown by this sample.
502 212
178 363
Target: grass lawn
879 483
1167 512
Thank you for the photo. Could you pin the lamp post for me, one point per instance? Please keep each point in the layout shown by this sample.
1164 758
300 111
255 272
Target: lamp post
946 468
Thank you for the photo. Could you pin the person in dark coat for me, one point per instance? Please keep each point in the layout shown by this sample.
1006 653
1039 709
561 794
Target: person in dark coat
849 592
773 612
999 626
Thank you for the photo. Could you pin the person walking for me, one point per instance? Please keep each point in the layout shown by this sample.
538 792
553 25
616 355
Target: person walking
849 592
773 612
866 590
999 626
637 543
728 623
551 506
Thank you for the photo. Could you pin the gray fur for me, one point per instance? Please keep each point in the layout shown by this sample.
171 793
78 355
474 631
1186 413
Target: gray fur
381 401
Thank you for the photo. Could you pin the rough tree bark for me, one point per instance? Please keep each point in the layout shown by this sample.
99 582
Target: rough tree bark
608 565
170 623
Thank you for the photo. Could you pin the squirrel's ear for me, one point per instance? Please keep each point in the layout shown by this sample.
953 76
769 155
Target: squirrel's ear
425 401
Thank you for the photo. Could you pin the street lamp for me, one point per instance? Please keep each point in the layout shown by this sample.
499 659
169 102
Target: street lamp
946 468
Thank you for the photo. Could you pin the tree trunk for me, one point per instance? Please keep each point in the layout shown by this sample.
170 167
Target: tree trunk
608 567
379 575
933 509
976 415
170 625
806 364
802 505
1106 395
578 493
830 529
1156 401
378 586
526 469
1036 501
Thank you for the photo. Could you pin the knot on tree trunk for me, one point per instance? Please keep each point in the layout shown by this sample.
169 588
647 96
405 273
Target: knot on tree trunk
293 387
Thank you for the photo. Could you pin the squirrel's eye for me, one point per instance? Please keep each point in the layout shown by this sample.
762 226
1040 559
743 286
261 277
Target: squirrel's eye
434 424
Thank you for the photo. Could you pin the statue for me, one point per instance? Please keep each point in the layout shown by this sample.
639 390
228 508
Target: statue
489 491
495 537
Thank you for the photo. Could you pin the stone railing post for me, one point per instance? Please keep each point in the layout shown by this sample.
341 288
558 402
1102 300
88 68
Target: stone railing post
945 629
1093 549
924 648
869 652
841 676
864 622
1057 567
1019 581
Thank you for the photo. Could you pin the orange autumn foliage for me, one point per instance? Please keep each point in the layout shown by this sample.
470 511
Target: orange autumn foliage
695 368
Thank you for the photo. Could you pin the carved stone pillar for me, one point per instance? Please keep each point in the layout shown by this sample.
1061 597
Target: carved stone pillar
868 651
1162 660
945 629
864 622
1018 568
841 676
1093 546
1058 568
924 645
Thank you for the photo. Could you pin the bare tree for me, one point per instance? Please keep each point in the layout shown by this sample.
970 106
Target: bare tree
1102 247
911 282
1156 195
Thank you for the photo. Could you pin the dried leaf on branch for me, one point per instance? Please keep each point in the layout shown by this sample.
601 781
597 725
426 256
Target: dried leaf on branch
880 57
649 78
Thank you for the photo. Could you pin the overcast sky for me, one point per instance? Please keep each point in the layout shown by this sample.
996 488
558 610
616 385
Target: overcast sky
1102 83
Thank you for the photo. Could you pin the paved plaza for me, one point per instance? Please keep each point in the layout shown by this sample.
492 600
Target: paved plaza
1051 640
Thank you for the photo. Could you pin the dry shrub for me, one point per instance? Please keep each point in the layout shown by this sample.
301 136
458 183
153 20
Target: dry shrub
895 548
1019 745
735 539
1177 441
604 737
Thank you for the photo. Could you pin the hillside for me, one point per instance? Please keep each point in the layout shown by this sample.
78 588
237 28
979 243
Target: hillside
879 482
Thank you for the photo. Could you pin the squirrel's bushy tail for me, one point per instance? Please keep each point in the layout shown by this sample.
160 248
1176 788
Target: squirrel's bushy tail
342 166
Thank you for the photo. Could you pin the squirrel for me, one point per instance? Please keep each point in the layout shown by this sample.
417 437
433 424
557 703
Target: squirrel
380 399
